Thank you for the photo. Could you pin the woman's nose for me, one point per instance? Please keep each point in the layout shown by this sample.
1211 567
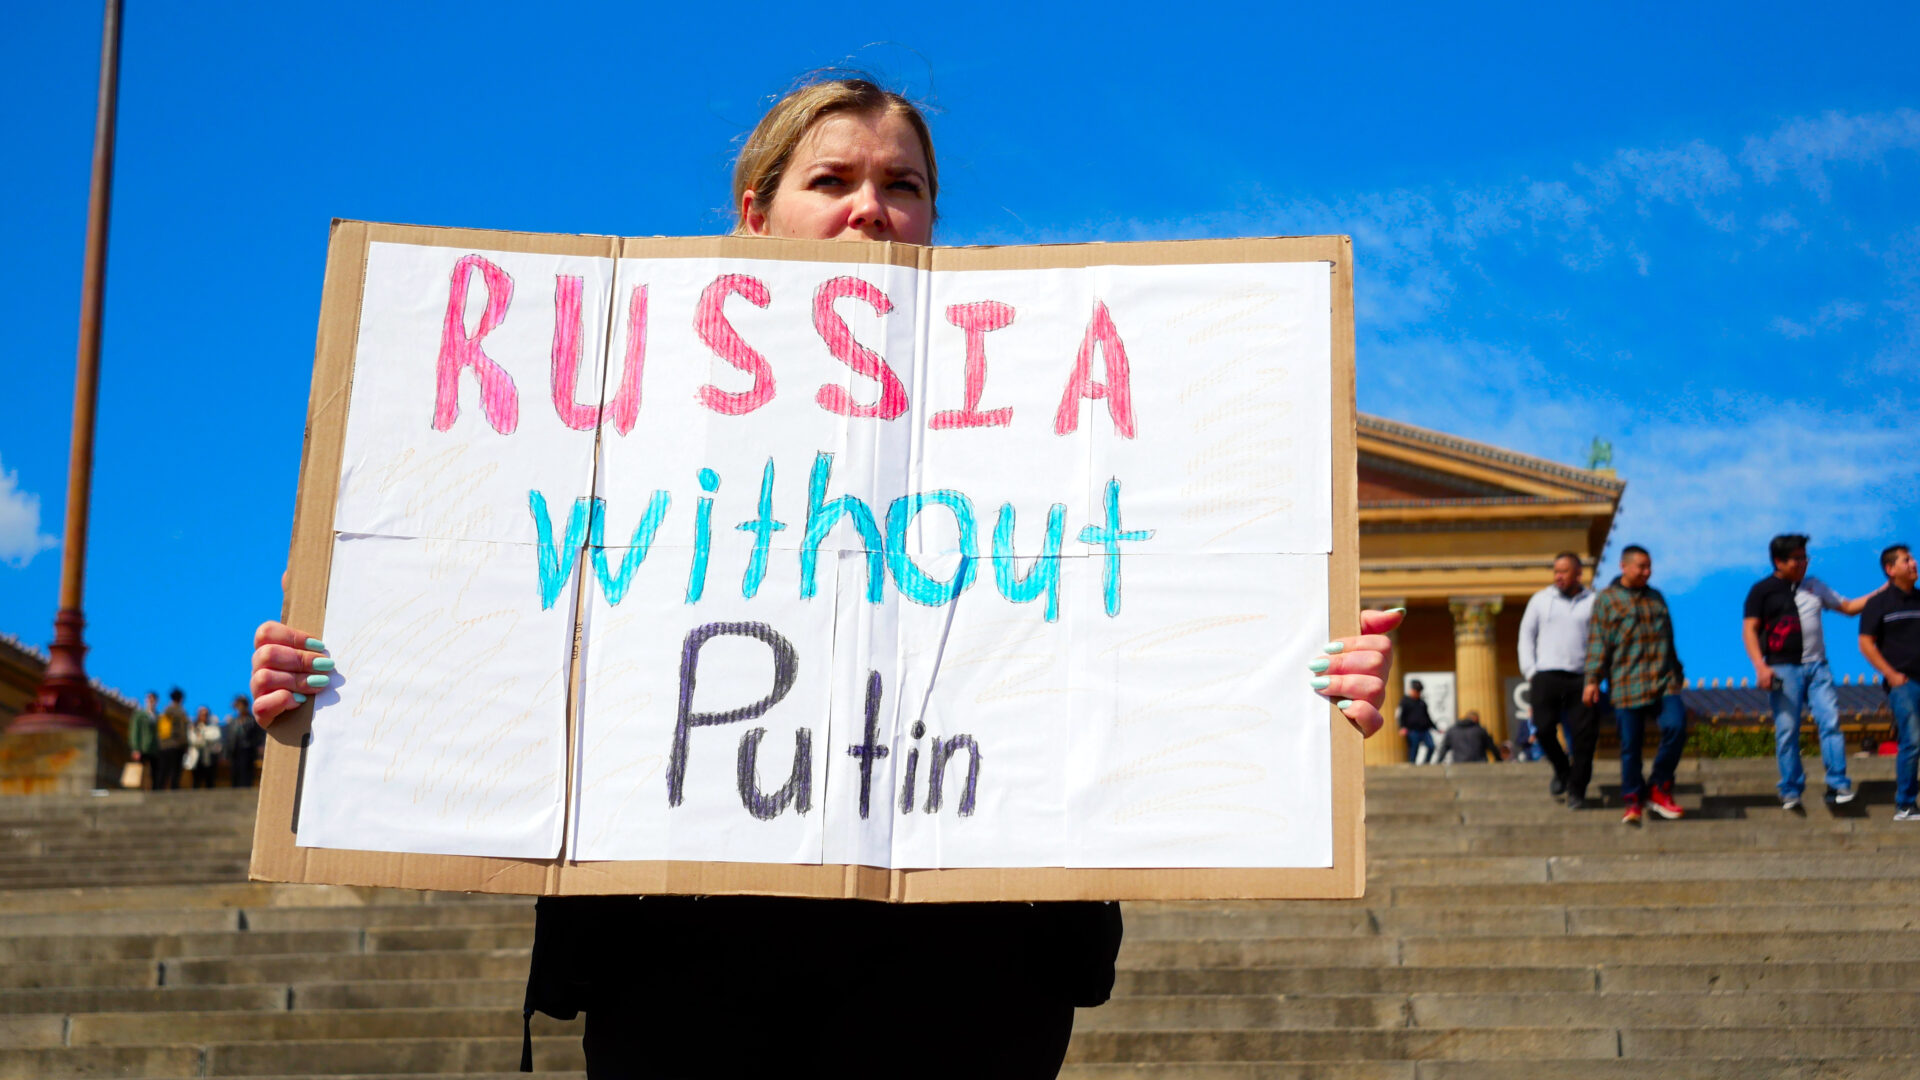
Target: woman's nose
869 213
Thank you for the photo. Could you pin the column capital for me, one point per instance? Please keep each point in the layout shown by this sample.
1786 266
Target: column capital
1473 618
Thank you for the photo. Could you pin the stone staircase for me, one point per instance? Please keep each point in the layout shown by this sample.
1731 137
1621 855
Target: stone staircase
1502 937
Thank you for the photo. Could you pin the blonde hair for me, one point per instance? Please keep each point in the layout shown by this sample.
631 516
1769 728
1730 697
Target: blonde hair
763 160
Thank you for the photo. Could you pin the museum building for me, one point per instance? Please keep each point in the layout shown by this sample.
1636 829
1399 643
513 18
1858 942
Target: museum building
1462 533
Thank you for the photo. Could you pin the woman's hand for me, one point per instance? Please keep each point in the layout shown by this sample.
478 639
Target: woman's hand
286 665
1354 673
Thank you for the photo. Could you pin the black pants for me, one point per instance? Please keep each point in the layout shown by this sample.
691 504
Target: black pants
1555 697
166 768
1001 1033
676 988
242 774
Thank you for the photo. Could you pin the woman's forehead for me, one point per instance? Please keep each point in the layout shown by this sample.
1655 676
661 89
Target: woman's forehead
885 137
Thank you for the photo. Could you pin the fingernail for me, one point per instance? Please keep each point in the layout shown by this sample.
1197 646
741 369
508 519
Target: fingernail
299 699
1335 646
323 663
1320 665
1396 611
314 644
1322 683
1344 704
317 681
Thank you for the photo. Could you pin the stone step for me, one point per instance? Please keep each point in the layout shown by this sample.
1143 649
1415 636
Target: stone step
1655 947
1591 893
1742 1068
410 994
1279 920
1449 1011
432 1056
401 916
1707 866
96 999
66 974
1559 950
86 947
150 1028
1302 980
154 1062
1482 1044
393 1058
357 967
202 895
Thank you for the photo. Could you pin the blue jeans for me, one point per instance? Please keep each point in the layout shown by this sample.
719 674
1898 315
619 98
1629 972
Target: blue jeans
1905 700
1671 714
1804 686
1416 740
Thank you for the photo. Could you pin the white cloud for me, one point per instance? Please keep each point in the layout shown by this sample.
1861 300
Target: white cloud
1832 314
1806 146
20 535
1705 493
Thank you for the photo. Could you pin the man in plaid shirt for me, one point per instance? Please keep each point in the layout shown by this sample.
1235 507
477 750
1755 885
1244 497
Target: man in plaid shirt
1630 647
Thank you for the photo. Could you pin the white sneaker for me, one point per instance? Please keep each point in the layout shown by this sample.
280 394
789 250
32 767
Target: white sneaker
1789 802
1907 813
1844 794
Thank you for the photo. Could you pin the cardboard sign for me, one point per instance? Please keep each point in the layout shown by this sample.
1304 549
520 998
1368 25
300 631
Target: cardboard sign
737 565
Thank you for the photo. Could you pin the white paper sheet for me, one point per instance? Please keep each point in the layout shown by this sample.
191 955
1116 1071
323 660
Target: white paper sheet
444 728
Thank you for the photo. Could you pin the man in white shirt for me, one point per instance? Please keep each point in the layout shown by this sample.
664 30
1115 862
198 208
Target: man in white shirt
1781 625
1553 657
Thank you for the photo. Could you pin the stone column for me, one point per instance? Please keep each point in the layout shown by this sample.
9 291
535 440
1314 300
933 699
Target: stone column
1476 664
1387 747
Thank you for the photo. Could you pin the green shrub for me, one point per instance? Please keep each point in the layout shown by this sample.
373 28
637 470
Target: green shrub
1740 742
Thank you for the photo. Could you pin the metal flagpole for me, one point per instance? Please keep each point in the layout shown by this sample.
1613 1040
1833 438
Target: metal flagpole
65 699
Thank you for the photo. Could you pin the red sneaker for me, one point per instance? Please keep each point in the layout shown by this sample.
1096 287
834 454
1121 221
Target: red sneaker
1661 802
1632 816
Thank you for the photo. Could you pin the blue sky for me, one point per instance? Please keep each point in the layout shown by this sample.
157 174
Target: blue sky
1692 233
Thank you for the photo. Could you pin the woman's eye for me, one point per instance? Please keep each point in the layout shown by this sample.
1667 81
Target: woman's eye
828 180
907 186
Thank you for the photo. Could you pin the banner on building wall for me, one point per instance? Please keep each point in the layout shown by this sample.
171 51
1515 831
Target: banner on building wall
738 565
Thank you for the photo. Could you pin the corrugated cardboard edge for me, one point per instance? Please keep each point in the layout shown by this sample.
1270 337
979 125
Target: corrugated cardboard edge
277 857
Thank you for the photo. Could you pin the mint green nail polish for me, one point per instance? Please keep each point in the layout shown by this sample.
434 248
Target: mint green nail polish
299 699
314 644
1336 646
1343 705
1322 683
1320 665
317 681
323 663
1397 611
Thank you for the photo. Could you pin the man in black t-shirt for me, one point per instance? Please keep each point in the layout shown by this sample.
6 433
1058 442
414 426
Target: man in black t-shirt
1890 640
1784 640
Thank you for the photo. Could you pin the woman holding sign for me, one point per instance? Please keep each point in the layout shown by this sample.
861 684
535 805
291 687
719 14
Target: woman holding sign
682 986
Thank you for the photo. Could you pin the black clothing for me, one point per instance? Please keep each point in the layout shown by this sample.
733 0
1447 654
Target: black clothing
1555 697
1771 601
723 986
166 767
1892 620
1467 741
1414 715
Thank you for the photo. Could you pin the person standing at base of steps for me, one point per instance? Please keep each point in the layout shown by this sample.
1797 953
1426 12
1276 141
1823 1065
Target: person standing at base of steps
1553 658
1416 725
1890 640
170 742
1781 625
1466 741
1630 648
